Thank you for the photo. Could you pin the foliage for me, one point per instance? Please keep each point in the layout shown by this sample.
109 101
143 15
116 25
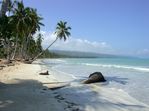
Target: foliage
62 32
17 30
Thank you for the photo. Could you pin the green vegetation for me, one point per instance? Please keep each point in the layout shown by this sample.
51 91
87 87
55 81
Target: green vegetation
17 32
62 32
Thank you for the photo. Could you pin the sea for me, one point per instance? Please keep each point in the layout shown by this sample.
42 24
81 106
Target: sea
123 73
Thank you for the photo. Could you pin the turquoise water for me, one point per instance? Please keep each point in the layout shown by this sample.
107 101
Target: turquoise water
128 74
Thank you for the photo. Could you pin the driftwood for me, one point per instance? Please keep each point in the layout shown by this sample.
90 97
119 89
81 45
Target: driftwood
28 62
1 68
11 64
56 85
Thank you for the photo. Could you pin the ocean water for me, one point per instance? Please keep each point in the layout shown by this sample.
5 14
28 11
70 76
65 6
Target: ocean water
128 74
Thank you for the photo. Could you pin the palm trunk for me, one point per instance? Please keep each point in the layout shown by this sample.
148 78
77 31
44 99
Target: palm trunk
27 45
44 50
23 48
15 50
4 7
8 51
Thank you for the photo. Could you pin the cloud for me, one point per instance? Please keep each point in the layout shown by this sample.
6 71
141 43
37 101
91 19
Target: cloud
144 52
84 45
75 44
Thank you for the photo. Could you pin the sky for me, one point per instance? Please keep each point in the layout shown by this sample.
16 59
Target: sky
101 26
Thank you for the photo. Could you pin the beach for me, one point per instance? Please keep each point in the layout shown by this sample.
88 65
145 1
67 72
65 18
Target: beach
23 89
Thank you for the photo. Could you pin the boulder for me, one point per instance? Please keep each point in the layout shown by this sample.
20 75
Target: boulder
95 77
44 73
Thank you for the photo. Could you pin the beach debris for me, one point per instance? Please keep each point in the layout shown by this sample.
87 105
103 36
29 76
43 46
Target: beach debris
2 65
10 64
95 77
44 73
56 85
1 68
27 61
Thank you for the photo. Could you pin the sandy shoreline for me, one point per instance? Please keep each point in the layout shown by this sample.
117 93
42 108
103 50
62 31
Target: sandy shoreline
23 89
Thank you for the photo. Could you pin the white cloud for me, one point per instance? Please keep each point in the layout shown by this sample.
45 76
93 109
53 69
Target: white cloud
75 44
144 52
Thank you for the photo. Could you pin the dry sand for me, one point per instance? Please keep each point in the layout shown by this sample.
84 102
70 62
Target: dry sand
22 89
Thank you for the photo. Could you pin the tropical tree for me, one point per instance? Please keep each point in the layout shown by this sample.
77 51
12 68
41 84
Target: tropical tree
62 32
27 22
35 46
5 29
33 26
38 43
17 28
6 35
20 24
4 7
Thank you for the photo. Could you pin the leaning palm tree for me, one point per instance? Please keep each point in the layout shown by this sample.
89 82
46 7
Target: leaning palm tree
62 32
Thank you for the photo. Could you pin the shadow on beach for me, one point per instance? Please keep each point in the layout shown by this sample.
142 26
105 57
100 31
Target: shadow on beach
28 95
25 95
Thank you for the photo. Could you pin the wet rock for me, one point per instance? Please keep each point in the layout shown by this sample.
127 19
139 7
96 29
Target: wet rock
95 77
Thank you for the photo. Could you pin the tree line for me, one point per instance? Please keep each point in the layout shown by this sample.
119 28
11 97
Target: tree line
18 26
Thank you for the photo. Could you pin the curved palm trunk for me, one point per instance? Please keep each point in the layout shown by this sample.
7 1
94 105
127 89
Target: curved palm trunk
44 50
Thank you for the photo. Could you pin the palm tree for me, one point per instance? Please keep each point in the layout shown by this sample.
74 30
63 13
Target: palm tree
27 23
6 27
6 35
33 25
20 25
62 32
4 7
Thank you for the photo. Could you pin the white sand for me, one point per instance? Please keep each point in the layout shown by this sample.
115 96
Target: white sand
23 89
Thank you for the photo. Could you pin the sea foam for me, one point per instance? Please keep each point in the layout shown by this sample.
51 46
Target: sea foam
119 66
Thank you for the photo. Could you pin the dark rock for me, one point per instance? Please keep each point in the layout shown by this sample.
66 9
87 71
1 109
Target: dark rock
95 77
44 73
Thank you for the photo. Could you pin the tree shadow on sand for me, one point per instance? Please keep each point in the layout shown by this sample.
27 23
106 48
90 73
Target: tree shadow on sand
22 95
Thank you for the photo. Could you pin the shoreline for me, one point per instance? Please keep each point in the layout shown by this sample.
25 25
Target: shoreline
22 88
